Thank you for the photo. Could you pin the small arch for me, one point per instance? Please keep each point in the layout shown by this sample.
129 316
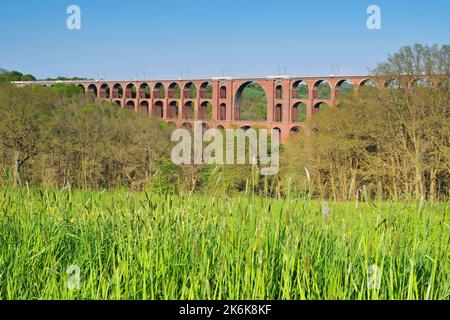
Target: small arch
158 109
223 92
277 129
143 108
172 124
205 111
81 88
130 105
245 128
144 91
300 90
117 92
189 91
205 126
278 114
104 91
368 83
279 92
174 91
320 105
219 127
92 90
188 110
322 90
299 112
206 90
393 84
130 91
118 103
187 125
222 112
421 83
344 87
159 92
173 110
294 130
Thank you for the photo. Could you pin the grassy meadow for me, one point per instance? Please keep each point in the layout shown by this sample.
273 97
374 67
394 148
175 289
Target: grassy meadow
149 246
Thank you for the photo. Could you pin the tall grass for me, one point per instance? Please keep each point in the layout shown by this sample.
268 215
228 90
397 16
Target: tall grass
150 246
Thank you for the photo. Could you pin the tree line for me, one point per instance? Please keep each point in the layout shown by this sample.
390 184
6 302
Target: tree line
15 76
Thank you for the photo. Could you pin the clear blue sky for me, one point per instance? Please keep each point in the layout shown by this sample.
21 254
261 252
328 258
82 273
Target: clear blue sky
120 39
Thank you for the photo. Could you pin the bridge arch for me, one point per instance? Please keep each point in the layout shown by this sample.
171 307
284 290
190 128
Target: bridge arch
117 91
250 102
130 105
278 114
368 83
143 108
344 87
277 129
105 91
222 112
421 83
393 84
118 103
173 110
159 92
223 92
206 90
189 91
320 105
279 92
144 91
300 90
158 109
205 111
322 89
245 128
187 125
188 110
174 91
294 130
130 91
81 88
92 90
299 112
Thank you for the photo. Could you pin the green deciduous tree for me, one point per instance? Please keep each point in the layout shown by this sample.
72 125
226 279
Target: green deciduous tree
387 142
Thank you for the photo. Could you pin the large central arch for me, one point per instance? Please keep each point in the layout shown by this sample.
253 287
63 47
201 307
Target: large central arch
250 102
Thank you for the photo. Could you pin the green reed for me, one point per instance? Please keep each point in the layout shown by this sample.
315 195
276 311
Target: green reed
152 246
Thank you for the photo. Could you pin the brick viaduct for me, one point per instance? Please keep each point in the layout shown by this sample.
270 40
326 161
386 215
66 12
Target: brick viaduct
216 101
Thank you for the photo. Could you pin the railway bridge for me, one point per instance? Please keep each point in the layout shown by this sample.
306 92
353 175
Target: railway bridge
217 101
